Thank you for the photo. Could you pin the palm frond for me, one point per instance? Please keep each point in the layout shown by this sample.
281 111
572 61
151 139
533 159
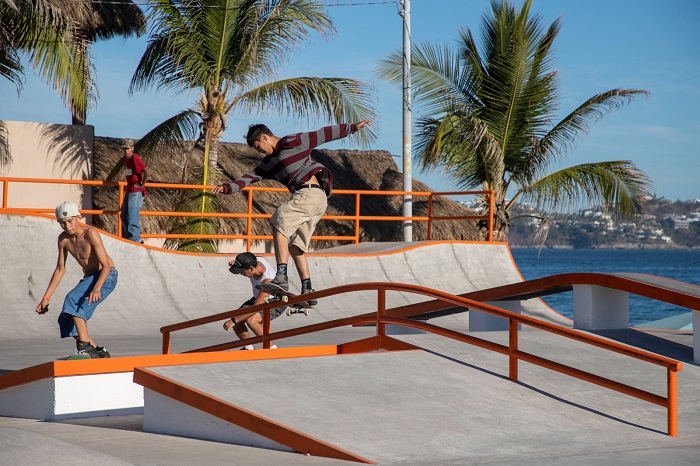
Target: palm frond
194 201
561 138
619 186
174 132
331 99
440 83
269 31
5 153
463 146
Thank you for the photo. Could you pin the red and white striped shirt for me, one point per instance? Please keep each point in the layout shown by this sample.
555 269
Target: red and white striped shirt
291 164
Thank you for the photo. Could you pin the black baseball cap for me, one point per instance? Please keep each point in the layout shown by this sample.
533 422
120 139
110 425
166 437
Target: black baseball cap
243 262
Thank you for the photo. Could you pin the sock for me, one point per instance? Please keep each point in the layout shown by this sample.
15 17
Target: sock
273 347
306 284
282 269
248 347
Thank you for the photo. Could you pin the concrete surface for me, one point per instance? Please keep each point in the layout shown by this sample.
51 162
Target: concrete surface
158 288
452 404
546 419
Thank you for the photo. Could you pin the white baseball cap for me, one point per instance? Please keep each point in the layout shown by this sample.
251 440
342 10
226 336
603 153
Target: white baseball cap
67 209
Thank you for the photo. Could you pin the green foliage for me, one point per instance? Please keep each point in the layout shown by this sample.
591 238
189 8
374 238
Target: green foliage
487 114
231 50
57 38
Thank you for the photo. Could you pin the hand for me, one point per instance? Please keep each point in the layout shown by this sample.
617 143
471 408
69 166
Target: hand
222 188
43 307
94 296
362 124
229 324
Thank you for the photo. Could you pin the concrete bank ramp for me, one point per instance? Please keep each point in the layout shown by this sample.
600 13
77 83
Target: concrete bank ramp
158 287
448 404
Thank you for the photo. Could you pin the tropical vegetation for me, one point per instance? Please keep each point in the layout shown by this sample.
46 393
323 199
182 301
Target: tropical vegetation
230 52
56 36
489 119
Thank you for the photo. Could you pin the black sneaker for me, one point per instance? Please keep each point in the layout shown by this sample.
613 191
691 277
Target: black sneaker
102 352
84 347
282 281
310 302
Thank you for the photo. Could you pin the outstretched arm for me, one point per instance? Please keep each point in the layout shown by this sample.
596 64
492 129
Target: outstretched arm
238 184
43 306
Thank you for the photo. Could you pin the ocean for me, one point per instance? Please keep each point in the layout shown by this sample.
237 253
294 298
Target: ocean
681 265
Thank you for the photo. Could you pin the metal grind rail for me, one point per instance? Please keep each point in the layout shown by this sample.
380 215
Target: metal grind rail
670 401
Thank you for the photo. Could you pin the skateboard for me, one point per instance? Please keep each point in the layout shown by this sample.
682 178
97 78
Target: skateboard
290 309
298 310
279 294
73 357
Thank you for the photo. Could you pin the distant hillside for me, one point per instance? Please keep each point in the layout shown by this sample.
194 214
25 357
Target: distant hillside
663 225
360 170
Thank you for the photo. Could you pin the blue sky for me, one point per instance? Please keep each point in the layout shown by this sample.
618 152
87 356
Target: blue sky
641 44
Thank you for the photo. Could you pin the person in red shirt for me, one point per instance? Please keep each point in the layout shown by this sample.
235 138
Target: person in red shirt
288 160
136 174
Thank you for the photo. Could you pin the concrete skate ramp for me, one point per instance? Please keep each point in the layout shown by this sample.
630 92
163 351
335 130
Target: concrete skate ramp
158 287
448 404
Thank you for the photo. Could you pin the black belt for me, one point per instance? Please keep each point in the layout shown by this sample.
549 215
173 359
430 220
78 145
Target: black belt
308 186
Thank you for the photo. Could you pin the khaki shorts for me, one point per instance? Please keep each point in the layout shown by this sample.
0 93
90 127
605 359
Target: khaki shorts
296 219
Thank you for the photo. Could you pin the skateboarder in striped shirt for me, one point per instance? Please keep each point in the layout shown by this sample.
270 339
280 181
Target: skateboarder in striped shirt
287 160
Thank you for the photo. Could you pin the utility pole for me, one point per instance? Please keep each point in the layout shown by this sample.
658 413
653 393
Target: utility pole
407 181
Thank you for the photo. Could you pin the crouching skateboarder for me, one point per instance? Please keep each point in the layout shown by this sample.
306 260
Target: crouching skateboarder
84 243
258 270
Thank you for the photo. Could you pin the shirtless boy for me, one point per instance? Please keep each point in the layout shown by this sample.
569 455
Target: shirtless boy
84 243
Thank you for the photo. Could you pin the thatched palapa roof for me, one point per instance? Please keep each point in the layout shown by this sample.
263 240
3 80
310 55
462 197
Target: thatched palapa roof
359 170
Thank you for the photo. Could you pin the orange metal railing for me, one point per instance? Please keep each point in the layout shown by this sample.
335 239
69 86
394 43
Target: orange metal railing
251 191
670 401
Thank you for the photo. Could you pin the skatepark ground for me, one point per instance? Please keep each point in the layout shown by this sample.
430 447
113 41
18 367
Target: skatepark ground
447 403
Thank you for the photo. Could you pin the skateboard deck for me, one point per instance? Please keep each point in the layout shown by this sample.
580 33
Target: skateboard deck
76 356
283 295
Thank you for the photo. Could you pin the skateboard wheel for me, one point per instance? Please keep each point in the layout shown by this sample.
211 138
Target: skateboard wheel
307 311
267 299
285 299
289 312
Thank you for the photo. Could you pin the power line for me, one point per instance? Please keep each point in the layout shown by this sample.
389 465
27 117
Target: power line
331 3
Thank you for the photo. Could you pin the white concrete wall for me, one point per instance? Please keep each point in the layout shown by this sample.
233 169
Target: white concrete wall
42 150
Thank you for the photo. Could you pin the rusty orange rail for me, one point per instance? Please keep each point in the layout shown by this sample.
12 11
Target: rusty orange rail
250 191
380 318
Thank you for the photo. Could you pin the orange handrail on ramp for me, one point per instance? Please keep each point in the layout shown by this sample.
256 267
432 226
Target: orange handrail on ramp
511 350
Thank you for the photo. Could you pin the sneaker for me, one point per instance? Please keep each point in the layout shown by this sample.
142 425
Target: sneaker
282 281
311 302
102 352
84 347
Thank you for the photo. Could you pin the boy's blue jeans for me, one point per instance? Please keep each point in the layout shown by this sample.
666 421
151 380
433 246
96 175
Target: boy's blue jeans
76 303
131 216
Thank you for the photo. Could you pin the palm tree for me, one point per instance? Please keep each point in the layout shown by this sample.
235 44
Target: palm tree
34 25
93 21
57 36
489 113
231 50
